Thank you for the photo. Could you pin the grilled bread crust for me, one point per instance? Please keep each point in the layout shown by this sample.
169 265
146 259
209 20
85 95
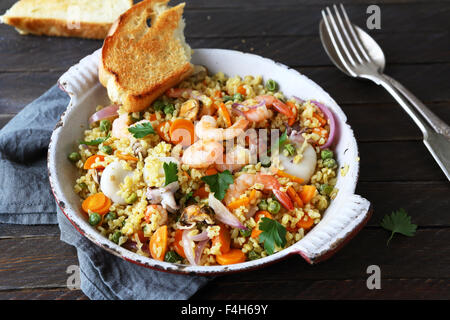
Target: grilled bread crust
138 62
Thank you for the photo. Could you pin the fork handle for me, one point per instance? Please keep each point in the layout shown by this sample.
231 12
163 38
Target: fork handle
437 144
433 120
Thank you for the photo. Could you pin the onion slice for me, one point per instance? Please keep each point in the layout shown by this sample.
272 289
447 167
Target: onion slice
199 250
332 123
201 236
187 242
105 113
223 214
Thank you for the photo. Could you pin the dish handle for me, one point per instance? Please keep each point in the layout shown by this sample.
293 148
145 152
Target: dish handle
326 239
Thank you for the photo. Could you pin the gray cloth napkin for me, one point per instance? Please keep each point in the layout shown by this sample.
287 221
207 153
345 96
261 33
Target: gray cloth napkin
26 198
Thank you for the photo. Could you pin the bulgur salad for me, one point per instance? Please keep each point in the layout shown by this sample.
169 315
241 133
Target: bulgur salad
219 170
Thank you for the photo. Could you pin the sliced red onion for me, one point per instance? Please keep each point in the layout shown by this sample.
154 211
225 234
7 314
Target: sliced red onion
200 237
251 212
199 250
241 106
299 100
223 214
105 113
332 123
187 246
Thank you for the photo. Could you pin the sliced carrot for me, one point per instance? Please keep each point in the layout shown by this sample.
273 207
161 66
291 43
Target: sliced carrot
161 133
153 117
231 257
125 157
97 202
182 131
158 243
244 201
292 119
142 237
305 224
218 94
91 161
252 196
289 176
224 238
307 193
225 114
201 193
242 90
256 232
211 171
177 244
295 197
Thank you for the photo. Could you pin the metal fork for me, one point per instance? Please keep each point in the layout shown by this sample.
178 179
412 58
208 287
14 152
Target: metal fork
348 52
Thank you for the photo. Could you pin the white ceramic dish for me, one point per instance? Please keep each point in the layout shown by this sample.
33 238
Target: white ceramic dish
346 215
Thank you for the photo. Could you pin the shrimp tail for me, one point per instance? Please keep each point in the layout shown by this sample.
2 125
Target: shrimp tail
284 199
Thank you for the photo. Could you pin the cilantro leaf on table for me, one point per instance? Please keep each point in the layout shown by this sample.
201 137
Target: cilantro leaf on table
398 222
95 142
273 234
171 172
141 130
219 183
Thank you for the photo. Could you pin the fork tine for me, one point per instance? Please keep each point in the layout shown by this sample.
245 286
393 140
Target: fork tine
355 37
347 37
337 47
339 36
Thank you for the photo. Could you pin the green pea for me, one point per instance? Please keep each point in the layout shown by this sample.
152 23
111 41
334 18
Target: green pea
329 163
172 256
290 149
106 149
94 219
325 189
274 206
227 98
169 109
105 125
265 162
111 216
116 236
238 97
131 198
263 205
326 154
83 185
252 255
245 232
74 156
159 105
271 85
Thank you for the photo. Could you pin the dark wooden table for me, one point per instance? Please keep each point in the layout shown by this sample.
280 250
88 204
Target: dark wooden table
396 169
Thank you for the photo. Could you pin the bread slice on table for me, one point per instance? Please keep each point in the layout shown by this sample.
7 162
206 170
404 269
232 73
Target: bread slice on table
66 18
138 62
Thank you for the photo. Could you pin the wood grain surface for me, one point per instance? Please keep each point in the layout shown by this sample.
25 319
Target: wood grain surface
396 169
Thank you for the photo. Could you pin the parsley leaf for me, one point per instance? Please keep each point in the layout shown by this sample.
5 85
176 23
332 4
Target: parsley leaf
273 233
141 130
95 142
219 183
282 140
398 222
171 171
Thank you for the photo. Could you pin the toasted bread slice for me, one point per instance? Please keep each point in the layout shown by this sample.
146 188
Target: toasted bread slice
66 18
138 62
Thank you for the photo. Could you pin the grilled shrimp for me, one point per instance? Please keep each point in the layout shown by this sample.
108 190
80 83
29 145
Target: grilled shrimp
202 154
245 181
207 129
120 127
155 209
271 101
112 177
